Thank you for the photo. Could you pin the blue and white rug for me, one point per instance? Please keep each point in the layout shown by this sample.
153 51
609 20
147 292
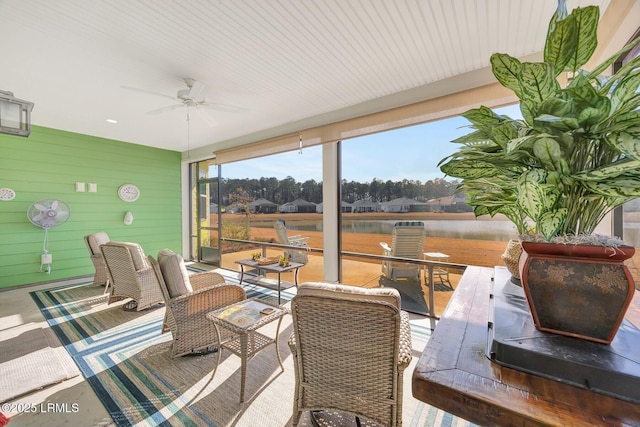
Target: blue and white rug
127 361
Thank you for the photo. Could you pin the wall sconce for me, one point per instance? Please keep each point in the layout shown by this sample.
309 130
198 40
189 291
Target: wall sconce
128 218
15 115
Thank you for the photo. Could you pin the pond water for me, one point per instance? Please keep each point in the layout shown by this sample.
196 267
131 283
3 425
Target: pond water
457 229
477 229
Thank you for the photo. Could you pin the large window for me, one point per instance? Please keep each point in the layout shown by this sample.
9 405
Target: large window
386 178
256 193
631 210
393 177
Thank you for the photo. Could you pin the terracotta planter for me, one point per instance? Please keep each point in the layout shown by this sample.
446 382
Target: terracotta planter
577 290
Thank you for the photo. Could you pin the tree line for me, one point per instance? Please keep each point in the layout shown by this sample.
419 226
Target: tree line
285 190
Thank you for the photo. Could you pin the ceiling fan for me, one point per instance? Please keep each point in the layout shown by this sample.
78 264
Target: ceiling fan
193 96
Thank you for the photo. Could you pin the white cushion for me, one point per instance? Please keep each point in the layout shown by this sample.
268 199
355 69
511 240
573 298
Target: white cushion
346 292
137 255
174 273
97 239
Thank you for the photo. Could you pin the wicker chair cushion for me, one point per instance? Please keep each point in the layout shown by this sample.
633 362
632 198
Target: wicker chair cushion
174 272
97 239
323 289
137 255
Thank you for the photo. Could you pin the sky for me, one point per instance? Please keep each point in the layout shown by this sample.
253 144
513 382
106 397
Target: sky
409 153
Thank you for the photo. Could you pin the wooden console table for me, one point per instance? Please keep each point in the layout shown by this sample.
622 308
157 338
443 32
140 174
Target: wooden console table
454 373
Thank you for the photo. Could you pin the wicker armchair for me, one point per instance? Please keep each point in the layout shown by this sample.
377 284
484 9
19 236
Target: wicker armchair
350 347
130 275
93 242
188 299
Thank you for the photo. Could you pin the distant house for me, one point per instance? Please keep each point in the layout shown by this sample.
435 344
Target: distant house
362 206
459 204
403 205
263 206
298 206
455 203
344 207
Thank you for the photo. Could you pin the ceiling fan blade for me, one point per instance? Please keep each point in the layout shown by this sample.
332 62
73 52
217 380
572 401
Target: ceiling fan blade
147 92
40 207
210 121
167 108
220 107
197 91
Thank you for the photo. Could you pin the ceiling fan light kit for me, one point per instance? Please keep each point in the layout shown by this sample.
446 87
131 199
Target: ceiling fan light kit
192 96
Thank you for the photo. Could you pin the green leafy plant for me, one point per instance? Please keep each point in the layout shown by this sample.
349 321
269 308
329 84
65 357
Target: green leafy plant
575 155
283 261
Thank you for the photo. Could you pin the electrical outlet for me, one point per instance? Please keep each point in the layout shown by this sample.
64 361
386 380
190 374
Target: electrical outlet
46 259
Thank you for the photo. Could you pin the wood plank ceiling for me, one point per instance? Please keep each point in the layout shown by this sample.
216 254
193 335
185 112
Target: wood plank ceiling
283 62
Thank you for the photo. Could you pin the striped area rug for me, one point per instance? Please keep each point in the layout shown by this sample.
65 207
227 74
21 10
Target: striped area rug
127 361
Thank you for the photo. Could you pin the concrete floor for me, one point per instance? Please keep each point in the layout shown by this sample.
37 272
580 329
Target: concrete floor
19 314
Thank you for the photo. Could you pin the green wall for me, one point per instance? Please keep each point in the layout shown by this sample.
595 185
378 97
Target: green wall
47 164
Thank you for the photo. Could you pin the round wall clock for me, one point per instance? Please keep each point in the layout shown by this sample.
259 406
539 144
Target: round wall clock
7 194
128 192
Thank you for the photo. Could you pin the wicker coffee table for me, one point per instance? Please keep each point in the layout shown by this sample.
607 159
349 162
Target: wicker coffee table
243 319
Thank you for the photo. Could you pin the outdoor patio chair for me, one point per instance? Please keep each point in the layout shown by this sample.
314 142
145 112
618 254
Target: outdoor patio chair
407 242
130 275
350 347
93 242
188 299
295 255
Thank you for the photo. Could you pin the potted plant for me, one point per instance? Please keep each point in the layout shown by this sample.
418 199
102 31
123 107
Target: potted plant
283 261
559 171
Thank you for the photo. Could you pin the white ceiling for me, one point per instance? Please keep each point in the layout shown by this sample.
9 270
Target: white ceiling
287 63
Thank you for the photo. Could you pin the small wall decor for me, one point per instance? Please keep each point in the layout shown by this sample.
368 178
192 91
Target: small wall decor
7 194
128 218
128 192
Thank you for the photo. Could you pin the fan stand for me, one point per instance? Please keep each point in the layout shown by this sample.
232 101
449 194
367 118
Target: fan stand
45 258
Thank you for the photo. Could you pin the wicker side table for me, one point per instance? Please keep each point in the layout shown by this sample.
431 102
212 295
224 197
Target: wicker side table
243 319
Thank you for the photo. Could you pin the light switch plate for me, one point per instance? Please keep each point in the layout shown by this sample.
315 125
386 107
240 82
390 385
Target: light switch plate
93 187
80 187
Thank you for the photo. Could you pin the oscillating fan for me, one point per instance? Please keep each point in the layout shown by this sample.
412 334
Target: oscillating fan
45 214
